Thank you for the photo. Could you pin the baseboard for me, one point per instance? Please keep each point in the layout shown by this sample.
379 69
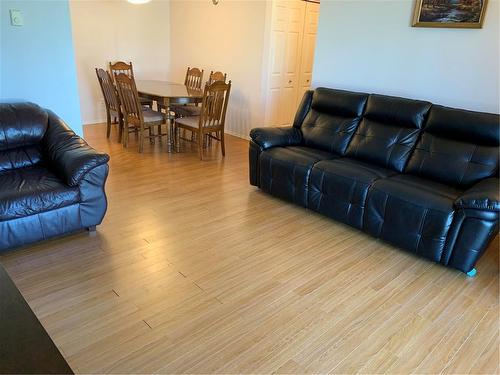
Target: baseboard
236 134
95 121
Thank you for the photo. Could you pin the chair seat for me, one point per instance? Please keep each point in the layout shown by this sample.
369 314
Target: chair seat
28 191
284 171
186 110
338 188
145 101
411 212
190 121
152 116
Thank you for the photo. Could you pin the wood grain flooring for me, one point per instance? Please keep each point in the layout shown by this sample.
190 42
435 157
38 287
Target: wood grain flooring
195 271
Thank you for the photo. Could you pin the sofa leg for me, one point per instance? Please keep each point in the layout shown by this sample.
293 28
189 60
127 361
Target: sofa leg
91 228
471 273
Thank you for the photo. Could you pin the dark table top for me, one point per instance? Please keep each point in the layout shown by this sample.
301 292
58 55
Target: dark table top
169 91
25 346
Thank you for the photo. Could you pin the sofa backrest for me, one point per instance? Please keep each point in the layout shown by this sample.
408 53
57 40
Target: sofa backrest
457 147
388 131
328 118
22 128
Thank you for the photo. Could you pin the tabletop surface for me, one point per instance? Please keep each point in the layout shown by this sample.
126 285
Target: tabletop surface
25 346
166 89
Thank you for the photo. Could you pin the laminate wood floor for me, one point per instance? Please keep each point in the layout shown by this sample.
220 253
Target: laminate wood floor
195 271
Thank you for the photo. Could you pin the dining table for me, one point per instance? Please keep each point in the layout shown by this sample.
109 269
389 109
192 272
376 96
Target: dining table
166 93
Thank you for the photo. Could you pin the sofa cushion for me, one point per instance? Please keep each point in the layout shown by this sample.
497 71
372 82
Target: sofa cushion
29 191
332 119
21 125
457 147
20 157
389 131
284 171
412 213
22 128
338 188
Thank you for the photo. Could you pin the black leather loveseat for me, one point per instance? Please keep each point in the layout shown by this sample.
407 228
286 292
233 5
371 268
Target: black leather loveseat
420 176
51 181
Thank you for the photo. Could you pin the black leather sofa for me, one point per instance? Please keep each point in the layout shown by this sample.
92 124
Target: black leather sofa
51 180
420 176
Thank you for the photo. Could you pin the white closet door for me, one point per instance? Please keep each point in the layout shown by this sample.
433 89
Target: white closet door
308 46
286 43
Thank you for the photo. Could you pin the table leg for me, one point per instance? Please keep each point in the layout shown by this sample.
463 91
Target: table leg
170 127
170 135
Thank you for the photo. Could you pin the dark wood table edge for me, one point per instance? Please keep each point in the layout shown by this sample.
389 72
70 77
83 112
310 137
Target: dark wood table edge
25 346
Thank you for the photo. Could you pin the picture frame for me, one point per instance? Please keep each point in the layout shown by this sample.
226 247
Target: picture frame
449 13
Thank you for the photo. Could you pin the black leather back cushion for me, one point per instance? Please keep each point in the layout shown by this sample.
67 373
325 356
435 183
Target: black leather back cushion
22 128
332 119
458 147
389 131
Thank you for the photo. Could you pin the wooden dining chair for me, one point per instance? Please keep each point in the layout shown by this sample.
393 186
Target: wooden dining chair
135 116
217 76
194 78
194 110
193 81
121 67
212 116
111 101
213 77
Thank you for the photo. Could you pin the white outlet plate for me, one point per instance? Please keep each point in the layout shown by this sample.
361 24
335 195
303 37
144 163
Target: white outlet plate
16 17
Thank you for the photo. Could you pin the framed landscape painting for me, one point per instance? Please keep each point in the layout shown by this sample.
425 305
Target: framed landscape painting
449 13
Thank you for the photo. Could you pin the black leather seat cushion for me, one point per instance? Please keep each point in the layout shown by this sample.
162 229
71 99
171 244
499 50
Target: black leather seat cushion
284 171
338 188
20 157
29 191
389 131
411 212
458 147
332 119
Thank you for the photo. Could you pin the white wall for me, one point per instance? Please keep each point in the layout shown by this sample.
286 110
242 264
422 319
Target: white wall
110 30
228 37
369 45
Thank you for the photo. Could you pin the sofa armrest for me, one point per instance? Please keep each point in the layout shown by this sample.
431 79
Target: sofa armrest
68 154
482 196
275 137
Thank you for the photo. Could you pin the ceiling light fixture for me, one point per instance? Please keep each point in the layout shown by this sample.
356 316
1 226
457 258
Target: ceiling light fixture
138 1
